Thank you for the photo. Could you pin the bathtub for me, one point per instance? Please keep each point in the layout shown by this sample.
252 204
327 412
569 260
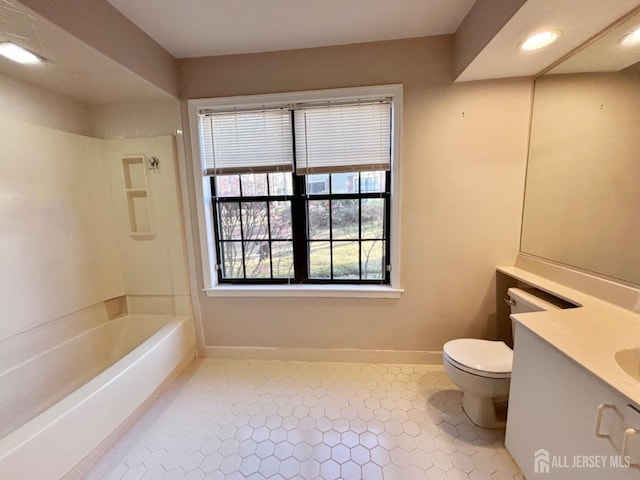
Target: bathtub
58 408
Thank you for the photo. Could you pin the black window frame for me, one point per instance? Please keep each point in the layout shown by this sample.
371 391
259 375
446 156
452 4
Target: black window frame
301 243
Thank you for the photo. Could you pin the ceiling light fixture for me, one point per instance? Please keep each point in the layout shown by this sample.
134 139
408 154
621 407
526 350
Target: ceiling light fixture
540 40
18 54
631 38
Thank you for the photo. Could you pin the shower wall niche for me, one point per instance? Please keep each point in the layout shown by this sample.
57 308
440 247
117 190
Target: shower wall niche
137 197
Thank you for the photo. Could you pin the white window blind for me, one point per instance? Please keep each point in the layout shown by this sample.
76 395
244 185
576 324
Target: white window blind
246 142
343 137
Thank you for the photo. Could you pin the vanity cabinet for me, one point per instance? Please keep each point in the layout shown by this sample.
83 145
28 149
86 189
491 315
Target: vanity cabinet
564 422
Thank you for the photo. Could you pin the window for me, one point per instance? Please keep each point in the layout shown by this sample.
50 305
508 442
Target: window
254 226
298 191
347 230
339 233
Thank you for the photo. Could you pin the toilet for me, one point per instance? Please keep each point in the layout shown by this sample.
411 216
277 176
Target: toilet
482 368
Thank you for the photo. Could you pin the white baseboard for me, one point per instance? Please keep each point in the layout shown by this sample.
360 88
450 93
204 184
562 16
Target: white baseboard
326 355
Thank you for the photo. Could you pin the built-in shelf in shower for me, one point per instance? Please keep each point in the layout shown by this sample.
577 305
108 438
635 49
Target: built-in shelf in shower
137 193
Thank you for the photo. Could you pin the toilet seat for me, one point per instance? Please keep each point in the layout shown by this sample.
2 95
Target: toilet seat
485 358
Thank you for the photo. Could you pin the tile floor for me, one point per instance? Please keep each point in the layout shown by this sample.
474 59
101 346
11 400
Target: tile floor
246 419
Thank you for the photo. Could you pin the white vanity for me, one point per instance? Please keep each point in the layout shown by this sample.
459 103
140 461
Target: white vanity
574 412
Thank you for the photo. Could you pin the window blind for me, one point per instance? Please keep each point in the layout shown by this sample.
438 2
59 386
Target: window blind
343 137
246 141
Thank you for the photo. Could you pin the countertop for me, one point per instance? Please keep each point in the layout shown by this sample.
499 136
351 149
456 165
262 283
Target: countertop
590 334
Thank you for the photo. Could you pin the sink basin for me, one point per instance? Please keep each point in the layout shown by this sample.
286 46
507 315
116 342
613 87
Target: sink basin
629 361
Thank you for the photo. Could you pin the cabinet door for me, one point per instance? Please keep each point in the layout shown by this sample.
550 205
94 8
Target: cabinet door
554 405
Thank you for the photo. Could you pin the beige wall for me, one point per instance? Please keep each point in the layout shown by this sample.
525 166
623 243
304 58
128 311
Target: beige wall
463 163
38 106
141 119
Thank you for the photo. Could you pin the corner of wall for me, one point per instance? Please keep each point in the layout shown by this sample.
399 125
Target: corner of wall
482 23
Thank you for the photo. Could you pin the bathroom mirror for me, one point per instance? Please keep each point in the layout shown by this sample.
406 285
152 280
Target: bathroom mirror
582 197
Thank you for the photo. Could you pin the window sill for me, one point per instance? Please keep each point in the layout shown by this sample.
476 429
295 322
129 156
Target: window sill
320 291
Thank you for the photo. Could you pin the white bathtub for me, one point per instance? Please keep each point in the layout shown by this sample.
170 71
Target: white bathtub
58 407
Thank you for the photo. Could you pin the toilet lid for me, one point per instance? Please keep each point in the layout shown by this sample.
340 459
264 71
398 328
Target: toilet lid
482 357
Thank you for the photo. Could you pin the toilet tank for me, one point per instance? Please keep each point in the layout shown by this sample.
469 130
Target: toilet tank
525 301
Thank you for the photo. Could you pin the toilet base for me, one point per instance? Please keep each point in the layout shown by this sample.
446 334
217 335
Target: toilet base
485 412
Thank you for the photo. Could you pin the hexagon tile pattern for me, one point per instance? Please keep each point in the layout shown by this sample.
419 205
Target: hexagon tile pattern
251 419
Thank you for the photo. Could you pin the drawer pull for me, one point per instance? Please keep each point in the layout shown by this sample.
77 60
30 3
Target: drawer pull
629 433
601 410
509 302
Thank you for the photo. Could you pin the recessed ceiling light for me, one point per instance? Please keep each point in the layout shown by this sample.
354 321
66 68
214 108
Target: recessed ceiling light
632 38
540 40
18 54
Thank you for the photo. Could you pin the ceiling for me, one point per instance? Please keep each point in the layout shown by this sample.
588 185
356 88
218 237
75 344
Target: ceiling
577 20
72 68
196 28
607 54
225 27
191 28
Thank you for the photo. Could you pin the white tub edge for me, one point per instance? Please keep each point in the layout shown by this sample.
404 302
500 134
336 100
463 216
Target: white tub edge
53 444
85 465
